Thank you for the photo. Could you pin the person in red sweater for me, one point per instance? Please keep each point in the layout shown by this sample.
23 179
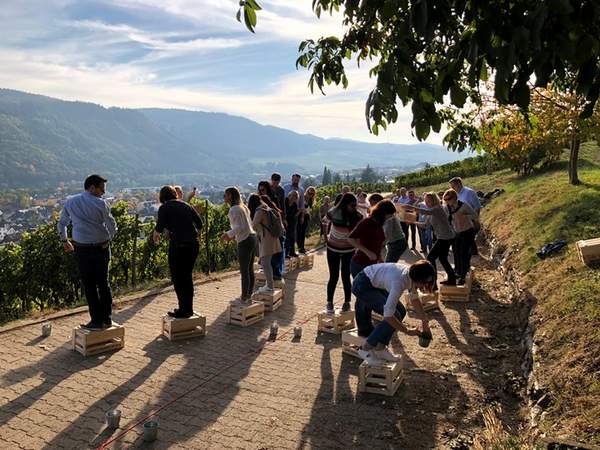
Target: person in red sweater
368 237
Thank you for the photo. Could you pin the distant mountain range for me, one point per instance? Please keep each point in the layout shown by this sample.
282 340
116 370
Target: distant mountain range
44 141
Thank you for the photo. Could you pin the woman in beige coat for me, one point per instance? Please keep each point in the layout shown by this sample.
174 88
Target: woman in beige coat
268 244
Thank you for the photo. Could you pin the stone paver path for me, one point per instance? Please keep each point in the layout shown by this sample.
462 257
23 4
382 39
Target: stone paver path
222 391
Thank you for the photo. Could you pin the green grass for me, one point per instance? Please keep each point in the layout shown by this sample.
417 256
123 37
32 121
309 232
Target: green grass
533 211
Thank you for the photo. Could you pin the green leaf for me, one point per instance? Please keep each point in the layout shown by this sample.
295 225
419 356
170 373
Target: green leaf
458 97
249 18
253 4
426 96
483 73
422 129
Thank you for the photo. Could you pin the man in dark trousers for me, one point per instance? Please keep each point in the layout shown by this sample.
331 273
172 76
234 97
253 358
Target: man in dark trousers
93 229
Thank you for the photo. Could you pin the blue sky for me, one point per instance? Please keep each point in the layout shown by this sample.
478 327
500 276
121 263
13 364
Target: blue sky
189 54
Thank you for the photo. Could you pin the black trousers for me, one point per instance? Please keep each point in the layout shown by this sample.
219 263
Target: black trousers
290 236
413 233
182 258
93 265
463 249
301 232
335 261
440 251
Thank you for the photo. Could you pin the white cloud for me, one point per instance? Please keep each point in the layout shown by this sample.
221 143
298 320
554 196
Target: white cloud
91 66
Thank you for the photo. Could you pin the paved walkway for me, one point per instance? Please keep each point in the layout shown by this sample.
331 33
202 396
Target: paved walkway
222 392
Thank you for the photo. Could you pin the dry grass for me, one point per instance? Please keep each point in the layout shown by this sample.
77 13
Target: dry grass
496 437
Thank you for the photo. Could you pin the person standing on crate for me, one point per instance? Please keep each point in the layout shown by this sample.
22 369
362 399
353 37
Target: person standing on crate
278 261
339 222
309 199
379 288
269 227
93 229
465 222
469 196
292 235
183 223
242 232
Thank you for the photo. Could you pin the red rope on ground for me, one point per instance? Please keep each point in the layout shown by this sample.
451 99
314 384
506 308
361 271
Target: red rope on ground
153 413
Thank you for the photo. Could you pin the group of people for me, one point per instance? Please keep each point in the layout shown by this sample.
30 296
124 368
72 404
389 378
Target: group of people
364 236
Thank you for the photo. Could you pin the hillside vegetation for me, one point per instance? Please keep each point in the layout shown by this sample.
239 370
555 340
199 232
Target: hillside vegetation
44 141
533 211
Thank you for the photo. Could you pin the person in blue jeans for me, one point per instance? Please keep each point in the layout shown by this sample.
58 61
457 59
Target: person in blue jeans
379 288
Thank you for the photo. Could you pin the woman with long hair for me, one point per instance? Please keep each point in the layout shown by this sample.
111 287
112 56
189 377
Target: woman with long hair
182 223
339 222
437 217
310 195
245 236
278 259
268 244
368 237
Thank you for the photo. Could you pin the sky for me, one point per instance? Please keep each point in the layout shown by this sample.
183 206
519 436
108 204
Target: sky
189 54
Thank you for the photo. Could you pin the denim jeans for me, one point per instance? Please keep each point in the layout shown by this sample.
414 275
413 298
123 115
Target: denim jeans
355 268
368 299
278 261
93 265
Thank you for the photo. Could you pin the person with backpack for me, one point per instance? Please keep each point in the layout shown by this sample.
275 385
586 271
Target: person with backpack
267 224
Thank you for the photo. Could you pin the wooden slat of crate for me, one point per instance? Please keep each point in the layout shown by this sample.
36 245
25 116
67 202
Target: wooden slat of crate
93 342
279 284
246 315
175 329
384 379
588 250
335 323
428 301
272 300
306 261
351 342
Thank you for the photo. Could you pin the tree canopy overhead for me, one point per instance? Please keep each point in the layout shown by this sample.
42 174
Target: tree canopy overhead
427 52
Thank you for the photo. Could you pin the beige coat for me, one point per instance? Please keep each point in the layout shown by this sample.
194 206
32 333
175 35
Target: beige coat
267 243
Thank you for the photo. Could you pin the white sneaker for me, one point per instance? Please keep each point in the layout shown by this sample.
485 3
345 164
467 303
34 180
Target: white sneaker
265 290
386 355
369 357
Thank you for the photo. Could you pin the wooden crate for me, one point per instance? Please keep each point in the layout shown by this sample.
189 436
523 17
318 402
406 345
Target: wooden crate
93 342
457 293
259 278
381 379
175 329
337 322
291 264
271 300
279 284
306 261
351 342
245 315
428 301
588 250
406 216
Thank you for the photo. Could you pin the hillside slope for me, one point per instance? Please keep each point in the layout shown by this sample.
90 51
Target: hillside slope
45 140
533 211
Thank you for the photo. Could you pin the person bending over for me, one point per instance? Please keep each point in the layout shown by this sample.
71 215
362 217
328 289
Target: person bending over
379 288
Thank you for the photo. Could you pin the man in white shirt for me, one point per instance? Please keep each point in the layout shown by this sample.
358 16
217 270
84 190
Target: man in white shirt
379 288
465 194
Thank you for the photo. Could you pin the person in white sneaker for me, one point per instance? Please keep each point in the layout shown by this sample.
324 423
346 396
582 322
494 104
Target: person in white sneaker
379 288
268 243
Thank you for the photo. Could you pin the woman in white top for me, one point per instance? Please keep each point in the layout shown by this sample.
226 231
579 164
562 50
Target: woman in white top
362 205
243 233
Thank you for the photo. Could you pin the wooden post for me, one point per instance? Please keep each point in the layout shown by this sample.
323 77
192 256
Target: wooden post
206 241
134 250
